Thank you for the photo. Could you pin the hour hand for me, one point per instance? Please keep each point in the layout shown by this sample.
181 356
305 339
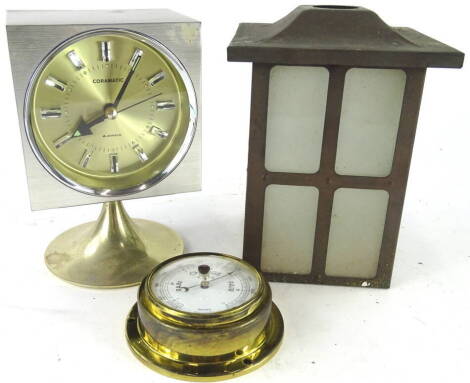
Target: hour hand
84 128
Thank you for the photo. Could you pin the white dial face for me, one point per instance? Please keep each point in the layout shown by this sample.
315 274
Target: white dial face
204 284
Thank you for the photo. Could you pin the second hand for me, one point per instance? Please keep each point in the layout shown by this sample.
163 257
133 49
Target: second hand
138 103
84 129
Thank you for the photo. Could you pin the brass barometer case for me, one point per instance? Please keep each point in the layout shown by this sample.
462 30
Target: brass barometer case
204 317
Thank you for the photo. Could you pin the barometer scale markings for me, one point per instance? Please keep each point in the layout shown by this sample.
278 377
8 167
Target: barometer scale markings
54 83
76 60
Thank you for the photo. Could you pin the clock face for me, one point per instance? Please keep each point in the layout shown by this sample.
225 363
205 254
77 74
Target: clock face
110 112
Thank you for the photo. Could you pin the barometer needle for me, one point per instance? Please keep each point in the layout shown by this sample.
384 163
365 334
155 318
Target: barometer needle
212 280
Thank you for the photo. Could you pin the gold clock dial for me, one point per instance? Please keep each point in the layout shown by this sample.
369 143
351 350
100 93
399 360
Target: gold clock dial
110 112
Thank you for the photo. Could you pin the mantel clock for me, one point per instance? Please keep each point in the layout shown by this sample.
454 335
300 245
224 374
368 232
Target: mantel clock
108 108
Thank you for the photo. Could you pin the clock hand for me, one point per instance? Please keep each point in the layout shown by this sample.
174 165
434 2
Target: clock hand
212 280
135 61
84 128
138 103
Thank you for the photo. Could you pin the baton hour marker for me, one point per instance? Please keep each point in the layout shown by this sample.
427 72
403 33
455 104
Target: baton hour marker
85 159
51 113
106 51
54 83
113 159
156 78
140 153
62 140
76 60
165 105
156 131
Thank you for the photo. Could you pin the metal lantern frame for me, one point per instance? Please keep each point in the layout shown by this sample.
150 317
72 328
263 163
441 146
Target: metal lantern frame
337 38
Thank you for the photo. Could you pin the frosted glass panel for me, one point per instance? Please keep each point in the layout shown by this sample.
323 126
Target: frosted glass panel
296 114
370 117
357 225
290 214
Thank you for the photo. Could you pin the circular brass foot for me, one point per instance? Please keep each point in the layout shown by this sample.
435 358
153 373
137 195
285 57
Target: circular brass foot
205 368
112 252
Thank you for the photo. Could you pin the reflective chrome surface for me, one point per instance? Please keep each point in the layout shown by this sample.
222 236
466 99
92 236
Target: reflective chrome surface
169 163
31 34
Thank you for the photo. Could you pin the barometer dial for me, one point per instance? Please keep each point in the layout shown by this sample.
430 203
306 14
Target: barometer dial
205 284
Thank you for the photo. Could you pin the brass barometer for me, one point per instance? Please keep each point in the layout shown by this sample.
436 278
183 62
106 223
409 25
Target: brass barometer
204 317
108 113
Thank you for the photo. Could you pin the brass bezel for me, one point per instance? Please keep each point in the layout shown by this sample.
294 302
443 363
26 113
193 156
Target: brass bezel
220 318
204 347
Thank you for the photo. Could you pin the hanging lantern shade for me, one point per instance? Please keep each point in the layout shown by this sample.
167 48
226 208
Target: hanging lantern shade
335 101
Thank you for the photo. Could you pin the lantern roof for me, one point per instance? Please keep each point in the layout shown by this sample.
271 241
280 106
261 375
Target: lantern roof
338 35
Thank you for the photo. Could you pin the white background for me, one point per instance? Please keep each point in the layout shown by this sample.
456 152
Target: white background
417 331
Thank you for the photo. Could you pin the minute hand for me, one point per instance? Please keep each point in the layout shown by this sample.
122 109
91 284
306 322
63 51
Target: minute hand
134 62
84 129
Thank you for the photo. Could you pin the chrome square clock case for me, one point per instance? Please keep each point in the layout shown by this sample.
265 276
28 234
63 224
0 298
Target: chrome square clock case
33 34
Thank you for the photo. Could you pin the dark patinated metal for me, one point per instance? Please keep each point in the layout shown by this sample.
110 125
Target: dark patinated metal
338 35
338 38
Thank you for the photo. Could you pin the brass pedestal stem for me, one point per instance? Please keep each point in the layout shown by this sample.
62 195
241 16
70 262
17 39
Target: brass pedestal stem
114 251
